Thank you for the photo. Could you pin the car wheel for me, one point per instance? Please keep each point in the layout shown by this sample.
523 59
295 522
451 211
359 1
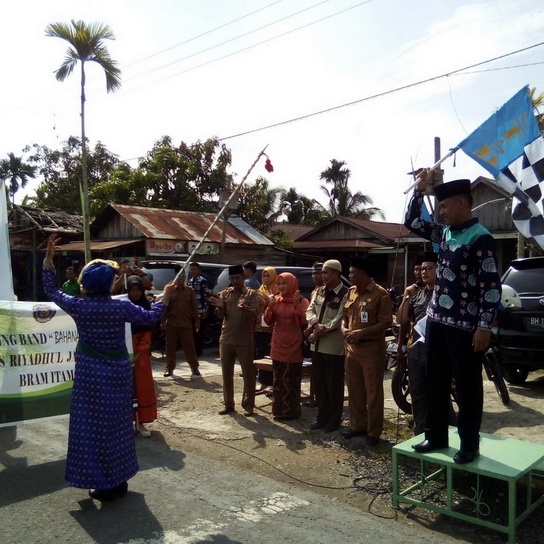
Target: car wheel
515 374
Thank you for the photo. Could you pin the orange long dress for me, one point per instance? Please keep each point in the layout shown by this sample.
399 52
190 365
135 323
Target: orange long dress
143 379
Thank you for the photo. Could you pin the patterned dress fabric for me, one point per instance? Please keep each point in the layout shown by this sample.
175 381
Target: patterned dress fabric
101 448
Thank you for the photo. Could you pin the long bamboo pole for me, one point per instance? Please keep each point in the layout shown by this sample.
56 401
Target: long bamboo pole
220 214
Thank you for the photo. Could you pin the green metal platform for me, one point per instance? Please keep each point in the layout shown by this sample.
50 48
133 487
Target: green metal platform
516 463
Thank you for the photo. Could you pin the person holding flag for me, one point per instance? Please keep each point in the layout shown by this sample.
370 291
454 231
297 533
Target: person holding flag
460 313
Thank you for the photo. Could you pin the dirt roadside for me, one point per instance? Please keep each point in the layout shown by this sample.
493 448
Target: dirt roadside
344 470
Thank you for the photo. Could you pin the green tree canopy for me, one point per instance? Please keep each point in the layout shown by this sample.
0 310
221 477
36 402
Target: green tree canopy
259 205
15 173
341 201
61 171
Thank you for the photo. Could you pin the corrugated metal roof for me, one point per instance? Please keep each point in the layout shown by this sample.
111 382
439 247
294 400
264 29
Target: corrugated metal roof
338 244
249 231
159 223
96 246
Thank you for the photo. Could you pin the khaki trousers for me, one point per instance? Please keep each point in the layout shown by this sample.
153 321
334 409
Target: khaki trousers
364 377
184 336
228 354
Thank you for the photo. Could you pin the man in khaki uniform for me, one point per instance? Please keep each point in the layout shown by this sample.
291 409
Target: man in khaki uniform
238 306
178 325
367 314
324 316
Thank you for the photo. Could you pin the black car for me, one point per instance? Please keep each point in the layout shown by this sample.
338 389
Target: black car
165 271
302 273
518 332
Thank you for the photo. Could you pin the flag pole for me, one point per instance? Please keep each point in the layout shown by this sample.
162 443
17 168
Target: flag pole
435 166
220 214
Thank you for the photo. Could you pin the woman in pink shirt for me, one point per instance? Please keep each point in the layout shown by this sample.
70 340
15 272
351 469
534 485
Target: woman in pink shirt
286 313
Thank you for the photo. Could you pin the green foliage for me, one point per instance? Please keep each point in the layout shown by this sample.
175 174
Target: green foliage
188 177
85 45
258 205
341 201
281 239
61 171
301 210
15 173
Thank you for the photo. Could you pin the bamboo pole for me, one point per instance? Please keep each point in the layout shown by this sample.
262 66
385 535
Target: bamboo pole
220 214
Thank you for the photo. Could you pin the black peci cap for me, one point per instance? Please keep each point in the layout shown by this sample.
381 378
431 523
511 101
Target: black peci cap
453 188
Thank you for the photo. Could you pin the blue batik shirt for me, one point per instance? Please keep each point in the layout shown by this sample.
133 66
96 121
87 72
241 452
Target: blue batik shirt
202 292
468 287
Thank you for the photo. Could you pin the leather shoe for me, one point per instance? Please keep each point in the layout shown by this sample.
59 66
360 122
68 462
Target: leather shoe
428 445
168 373
121 490
371 440
317 425
330 428
465 456
351 433
249 413
225 411
102 495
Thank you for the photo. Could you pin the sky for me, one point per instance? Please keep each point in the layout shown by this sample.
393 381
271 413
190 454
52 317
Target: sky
193 69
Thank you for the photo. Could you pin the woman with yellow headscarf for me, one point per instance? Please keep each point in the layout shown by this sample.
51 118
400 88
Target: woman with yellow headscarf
263 332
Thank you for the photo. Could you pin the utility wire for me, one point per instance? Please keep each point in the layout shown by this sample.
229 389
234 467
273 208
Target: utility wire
203 33
384 93
227 41
254 45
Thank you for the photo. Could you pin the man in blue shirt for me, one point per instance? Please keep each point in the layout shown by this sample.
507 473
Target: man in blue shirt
202 291
460 313
250 269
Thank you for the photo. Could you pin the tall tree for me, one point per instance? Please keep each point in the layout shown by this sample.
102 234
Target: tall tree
259 205
185 177
61 172
15 173
299 209
341 200
86 44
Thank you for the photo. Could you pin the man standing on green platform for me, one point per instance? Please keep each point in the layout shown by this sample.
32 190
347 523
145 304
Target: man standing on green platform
460 313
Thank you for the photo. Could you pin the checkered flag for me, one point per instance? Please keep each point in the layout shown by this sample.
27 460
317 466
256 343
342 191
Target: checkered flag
510 146
524 180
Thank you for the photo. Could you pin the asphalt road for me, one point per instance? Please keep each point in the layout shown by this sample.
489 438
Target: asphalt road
177 497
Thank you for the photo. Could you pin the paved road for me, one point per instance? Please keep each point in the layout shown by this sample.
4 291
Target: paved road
177 497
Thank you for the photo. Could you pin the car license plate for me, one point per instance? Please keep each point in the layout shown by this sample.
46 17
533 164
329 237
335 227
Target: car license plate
535 322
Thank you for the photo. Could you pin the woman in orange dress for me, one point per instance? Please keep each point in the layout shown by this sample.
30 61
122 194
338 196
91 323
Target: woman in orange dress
146 411
286 313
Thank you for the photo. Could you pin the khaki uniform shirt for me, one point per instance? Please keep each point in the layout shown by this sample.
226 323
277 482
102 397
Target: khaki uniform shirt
182 308
376 303
332 342
239 324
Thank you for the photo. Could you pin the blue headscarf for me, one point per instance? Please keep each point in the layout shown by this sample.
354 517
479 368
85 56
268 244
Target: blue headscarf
97 277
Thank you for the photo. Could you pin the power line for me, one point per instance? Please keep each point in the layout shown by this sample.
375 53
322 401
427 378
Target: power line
229 40
384 93
204 33
255 45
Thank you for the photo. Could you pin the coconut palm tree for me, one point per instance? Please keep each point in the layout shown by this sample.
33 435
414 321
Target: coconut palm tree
14 170
85 45
341 200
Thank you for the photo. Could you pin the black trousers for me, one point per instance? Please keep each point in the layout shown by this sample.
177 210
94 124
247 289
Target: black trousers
417 378
328 381
451 354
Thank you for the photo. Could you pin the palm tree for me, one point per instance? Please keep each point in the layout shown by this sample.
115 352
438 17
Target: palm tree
299 209
341 200
86 45
16 172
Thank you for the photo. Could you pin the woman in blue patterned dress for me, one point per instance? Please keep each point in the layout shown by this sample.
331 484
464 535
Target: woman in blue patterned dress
101 448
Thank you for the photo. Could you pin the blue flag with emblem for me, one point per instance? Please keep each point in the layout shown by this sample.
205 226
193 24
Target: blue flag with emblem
510 146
